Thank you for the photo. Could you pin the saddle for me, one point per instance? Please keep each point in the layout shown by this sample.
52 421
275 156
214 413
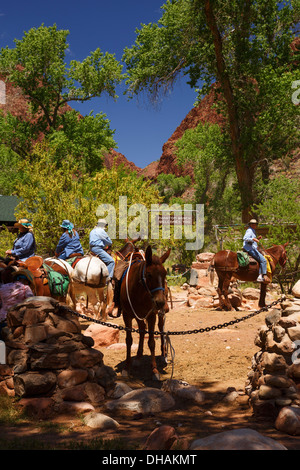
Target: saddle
74 258
58 283
244 259
32 268
34 265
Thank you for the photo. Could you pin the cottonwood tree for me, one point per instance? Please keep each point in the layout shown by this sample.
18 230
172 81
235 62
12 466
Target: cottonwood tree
37 65
244 48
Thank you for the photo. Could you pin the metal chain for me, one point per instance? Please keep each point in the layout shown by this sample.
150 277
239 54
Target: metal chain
188 332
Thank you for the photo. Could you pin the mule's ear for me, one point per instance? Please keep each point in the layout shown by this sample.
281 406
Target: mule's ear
148 255
165 256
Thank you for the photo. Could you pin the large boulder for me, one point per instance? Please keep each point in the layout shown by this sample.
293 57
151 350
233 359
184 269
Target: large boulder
296 289
237 439
145 400
288 421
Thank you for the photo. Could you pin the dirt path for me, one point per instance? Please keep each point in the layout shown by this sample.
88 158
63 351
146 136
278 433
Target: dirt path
212 361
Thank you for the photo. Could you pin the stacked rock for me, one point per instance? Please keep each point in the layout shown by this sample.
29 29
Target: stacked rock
274 381
47 356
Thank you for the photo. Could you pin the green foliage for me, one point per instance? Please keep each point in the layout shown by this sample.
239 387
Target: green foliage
208 148
281 209
83 138
52 194
6 241
37 66
245 49
9 174
171 187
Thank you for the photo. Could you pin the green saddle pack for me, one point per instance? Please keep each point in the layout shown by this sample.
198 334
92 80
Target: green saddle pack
58 283
243 259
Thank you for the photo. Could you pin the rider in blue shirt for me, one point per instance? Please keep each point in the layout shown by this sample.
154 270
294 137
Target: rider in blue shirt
69 243
250 245
24 246
99 242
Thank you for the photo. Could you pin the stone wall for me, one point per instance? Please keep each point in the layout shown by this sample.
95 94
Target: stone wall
48 356
274 380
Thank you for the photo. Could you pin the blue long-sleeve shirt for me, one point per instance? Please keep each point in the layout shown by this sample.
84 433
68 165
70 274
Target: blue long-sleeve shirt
248 239
68 245
99 238
24 246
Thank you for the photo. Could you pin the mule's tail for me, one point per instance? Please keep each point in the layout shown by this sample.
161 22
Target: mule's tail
211 270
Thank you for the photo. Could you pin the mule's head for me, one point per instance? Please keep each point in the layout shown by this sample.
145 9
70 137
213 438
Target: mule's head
155 277
283 255
129 247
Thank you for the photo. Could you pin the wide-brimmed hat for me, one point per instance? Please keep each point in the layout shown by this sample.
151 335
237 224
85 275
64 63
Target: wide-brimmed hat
253 221
67 225
102 223
23 223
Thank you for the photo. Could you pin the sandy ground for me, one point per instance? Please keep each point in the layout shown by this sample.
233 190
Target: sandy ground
212 361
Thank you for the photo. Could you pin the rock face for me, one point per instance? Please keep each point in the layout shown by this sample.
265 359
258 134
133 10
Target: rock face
274 381
202 113
47 356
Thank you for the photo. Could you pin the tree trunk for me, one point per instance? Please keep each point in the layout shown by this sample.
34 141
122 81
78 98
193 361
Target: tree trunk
243 172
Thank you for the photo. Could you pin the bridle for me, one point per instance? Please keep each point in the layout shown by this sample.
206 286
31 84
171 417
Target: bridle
143 280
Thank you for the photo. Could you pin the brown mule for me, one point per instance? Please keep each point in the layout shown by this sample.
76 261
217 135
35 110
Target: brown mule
142 297
226 265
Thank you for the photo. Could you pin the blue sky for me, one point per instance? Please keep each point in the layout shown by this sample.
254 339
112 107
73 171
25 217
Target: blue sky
140 129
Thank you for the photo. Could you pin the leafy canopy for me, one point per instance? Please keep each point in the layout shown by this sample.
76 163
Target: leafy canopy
244 48
37 65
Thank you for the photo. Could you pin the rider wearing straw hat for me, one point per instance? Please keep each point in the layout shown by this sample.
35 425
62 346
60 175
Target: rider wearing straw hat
250 245
24 246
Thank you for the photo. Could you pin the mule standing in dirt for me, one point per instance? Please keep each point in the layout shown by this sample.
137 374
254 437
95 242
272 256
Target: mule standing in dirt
226 265
142 297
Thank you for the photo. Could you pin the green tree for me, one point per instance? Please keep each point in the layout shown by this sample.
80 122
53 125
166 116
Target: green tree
84 138
244 47
52 194
281 210
208 148
171 186
37 66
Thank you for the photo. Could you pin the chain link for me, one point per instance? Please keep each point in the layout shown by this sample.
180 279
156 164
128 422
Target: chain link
177 333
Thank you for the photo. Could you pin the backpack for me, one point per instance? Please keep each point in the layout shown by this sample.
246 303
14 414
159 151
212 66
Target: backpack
243 259
58 283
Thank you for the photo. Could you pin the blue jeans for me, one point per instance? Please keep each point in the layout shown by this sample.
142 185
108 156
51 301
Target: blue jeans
261 260
106 258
